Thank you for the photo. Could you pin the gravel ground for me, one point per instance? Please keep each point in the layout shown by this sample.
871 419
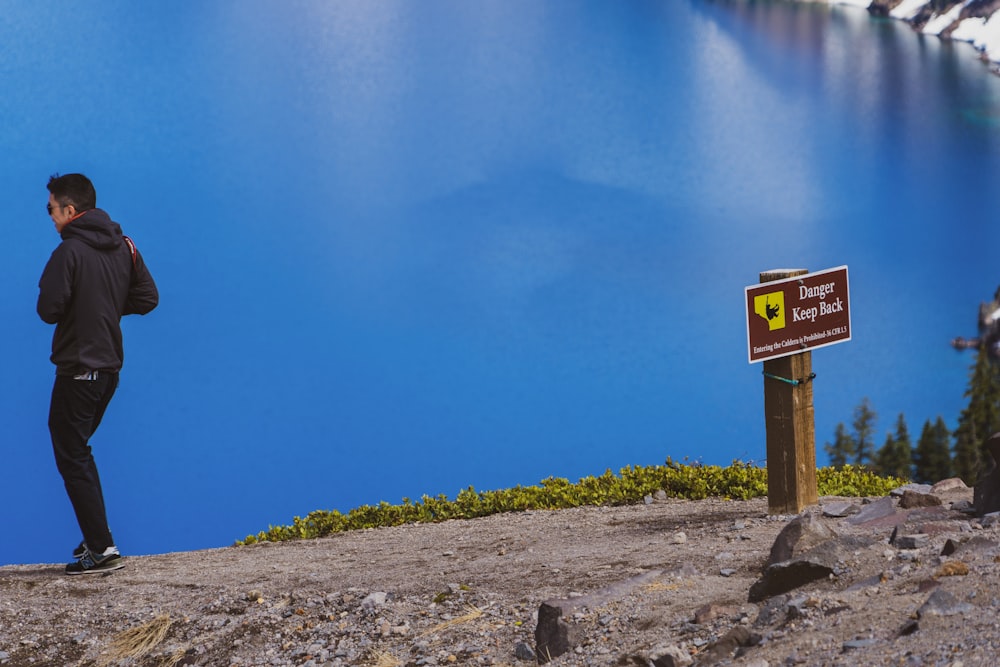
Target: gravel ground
469 592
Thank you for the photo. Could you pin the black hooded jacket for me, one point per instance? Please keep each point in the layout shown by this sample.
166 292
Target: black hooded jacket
90 281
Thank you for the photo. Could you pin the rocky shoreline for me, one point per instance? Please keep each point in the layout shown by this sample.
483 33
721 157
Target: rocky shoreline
969 21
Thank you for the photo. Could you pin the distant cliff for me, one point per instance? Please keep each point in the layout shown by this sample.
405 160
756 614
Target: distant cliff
972 21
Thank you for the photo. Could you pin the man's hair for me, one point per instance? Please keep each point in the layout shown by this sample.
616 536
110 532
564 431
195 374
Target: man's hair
75 189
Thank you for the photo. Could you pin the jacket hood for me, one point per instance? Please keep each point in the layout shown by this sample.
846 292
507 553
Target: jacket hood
96 229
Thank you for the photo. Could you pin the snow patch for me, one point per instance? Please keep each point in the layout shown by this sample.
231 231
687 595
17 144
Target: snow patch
984 34
907 9
941 22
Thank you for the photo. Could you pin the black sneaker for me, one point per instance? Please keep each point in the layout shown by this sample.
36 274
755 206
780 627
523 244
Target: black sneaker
80 551
92 563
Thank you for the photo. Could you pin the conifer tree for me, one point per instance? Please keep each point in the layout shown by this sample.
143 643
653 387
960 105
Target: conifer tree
895 456
885 455
842 450
932 457
979 420
864 432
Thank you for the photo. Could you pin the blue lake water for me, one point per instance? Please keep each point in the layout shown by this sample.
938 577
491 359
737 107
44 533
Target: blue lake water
406 247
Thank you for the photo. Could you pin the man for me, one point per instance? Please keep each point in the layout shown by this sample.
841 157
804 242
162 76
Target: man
94 277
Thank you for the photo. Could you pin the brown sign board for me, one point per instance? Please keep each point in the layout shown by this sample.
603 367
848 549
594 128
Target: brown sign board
796 314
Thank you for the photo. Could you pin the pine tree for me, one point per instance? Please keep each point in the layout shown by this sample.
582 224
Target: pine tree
864 432
885 455
932 457
842 450
979 420
894 458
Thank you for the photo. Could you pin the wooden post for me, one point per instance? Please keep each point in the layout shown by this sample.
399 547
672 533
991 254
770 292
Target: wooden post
791 428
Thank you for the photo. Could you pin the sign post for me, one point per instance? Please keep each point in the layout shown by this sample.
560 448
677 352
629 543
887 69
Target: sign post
791 312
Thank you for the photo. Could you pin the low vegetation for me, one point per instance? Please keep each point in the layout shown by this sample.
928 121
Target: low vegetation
678 480
859 468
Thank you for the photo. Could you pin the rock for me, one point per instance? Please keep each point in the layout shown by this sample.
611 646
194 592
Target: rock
840 509
818 563
916 488
374 601
771 611
554 636
797 607
986 494
523 651
670 656
709 612
918 541
943 603
800 535
964 506
783 577
868 582
950 547
976 544
950 484
726 646
927 585
658 656
914 499
908 628
879 509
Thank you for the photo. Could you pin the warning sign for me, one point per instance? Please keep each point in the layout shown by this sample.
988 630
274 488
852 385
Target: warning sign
797 314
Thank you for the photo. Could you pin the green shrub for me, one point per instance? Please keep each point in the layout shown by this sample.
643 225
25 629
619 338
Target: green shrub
679 480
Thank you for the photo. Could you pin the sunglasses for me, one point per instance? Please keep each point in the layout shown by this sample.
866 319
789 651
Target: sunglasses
48 208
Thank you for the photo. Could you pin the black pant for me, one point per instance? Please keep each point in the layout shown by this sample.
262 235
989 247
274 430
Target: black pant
75 413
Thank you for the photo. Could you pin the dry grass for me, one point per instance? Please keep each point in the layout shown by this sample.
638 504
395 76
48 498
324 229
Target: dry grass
471 614
137 642
172 659
662 586
385 659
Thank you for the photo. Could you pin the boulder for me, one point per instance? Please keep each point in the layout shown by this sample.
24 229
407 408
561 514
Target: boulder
950 484
912 499
820 562
800 535
873 512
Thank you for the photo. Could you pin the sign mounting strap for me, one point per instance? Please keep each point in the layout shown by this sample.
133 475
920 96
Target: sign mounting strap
794 383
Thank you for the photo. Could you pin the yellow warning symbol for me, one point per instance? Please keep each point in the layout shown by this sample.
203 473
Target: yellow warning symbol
772 308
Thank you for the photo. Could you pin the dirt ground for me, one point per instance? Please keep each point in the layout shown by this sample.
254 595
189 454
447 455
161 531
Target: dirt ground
468 592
